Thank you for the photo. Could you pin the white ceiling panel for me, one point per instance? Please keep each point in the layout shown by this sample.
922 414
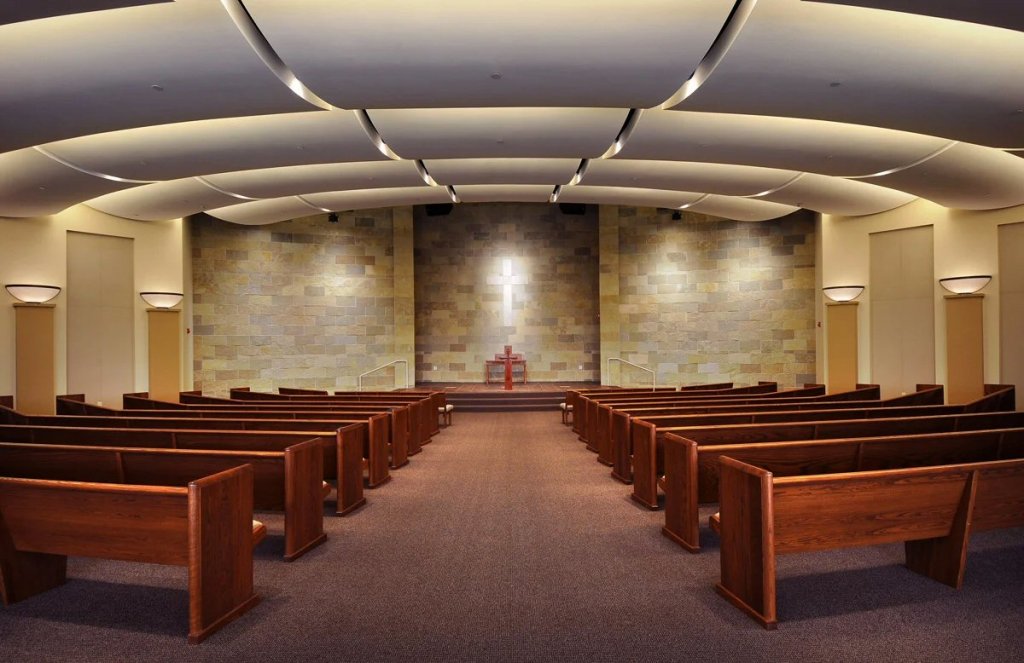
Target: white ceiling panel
508 193
965 177
741 209
608 195
292 180
464 53
685 176
835 195
204 147
88 73
264 212
35 185
502 171
162 201
916 73
464 133
829 148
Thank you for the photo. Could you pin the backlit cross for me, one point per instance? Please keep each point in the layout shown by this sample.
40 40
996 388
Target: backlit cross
506 279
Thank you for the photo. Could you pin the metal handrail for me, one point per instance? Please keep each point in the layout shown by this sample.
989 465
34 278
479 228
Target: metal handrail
654 374
383 366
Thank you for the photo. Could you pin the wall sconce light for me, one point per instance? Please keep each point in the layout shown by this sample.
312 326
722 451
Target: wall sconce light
32 294
162 300
843 293
965 285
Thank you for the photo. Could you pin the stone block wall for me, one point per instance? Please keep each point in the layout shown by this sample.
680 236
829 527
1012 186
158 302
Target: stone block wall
551 314
706 300
304 303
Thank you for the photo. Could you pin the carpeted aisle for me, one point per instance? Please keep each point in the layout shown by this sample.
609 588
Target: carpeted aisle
505 540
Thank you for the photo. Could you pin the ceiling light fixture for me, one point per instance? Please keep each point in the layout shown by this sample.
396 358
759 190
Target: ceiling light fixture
965 285
31 293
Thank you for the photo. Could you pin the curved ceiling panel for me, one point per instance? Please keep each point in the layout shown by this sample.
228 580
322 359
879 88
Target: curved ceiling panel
204 147
608 195
162 201
1009 15
463 53
965 177
35 185
508 193
829 148
933 76
292 180
262 212
741 209
686 176
464 133
835 195
502 171
138 66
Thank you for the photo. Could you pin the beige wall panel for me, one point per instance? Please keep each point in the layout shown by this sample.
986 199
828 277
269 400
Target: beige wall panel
302 303
1011 315
609 288
550 314
841 326
706 300
35 361
101 309
965 348
901 287
164 354
405 296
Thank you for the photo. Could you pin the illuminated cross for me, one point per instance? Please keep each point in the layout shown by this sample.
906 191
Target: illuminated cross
507 280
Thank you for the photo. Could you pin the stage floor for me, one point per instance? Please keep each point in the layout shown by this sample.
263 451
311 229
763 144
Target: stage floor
475 387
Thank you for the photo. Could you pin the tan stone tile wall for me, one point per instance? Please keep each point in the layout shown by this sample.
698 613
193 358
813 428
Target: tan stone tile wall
304 303
707 300
460 318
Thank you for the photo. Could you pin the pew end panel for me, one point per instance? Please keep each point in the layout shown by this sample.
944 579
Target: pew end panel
645 471
400 429
681 514
303 498
603 443
748 541
220 568
377 452
349 469
622 447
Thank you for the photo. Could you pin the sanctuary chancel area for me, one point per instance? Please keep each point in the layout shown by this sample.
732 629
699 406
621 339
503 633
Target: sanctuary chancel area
511 332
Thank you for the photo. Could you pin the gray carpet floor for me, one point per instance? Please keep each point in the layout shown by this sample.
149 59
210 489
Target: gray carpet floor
505 540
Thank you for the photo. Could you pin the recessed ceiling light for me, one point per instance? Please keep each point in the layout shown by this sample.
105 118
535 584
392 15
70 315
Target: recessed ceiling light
158 88
42 188
834 84
496 76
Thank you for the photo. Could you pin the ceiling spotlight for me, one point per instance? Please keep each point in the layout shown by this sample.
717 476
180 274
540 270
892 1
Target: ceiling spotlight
332 217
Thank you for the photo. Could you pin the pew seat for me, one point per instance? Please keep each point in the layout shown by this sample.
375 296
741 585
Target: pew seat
932 510
207 527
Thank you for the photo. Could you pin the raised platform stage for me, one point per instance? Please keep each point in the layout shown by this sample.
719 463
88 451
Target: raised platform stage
479 397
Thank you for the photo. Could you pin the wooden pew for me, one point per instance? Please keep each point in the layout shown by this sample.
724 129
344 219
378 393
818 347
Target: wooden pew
378 452
342 451
933 510
374 435
648 450
573 396
290 481
587 405
206 527
406 430
613 441
928 400
692 470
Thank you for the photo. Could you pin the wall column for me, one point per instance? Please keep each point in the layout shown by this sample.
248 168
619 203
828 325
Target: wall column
35 363
841 340
164 354
608 286
405 297
965 348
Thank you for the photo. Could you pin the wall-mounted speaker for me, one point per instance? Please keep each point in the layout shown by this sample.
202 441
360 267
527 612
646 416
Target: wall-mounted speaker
439 209
572 208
